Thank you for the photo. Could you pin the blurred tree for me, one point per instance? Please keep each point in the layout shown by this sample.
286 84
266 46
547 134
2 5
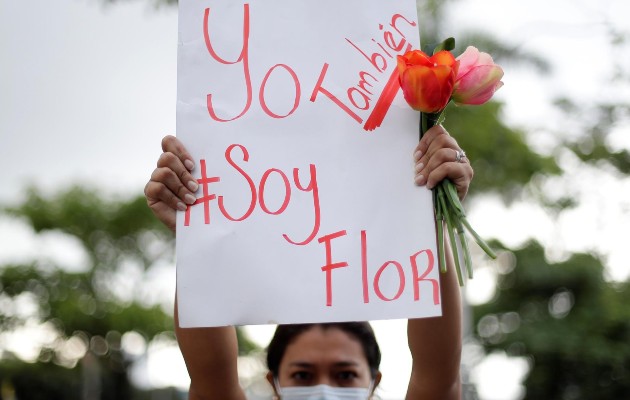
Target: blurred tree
572 325
506 167
564 318
86 312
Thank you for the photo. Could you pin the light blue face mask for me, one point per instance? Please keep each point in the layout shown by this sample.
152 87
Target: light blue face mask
324 392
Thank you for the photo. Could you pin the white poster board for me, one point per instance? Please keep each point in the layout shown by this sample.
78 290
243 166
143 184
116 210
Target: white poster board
303 143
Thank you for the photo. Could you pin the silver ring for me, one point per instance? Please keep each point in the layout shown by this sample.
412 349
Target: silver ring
459 156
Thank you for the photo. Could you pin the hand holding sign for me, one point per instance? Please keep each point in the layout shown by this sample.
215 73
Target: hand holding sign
171 186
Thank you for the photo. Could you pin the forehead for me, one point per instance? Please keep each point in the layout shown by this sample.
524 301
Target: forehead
322 346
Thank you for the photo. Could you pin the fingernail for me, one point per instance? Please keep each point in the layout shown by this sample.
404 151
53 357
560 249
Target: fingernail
419 167
193 186
419 180
189 165
417 155
189 198
181 206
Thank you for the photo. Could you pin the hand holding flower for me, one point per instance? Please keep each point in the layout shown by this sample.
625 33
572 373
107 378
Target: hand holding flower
429 84
434 158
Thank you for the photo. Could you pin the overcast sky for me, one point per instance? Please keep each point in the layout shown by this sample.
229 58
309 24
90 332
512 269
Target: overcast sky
87 92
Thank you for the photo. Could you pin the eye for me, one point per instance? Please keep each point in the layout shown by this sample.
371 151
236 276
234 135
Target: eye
301 376
347 376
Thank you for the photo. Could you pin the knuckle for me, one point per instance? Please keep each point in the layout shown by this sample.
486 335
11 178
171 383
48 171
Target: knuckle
149 191
166 159
184 175
160 174
445 154
164 193
181 191
441 130
152 192
167 142
446 141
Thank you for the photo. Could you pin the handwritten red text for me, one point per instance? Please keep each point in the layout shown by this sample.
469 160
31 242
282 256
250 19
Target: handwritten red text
256 192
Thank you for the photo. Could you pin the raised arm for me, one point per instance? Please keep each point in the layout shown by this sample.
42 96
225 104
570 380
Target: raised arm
210 353
436 343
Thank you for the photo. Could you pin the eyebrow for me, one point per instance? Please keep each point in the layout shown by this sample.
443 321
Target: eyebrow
304 364
301 364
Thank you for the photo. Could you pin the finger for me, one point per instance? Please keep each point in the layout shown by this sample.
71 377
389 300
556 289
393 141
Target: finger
431 161
163 210
157 192
458 173
443 155
173 183
442 149
172 162
441 142
165 214
170 144
427 139
461 181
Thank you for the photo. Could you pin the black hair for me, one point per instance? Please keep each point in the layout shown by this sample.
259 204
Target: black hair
285 334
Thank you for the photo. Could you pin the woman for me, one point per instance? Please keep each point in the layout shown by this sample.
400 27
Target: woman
324 359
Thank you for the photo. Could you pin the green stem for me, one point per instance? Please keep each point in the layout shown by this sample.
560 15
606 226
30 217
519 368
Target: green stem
453 197
439 220
460 214
464 243
451 235
454 200
478 239
427 121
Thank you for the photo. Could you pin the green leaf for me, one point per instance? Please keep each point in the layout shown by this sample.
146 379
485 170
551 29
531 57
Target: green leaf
447 44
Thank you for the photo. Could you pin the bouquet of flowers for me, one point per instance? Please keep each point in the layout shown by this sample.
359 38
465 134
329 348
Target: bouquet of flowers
430 84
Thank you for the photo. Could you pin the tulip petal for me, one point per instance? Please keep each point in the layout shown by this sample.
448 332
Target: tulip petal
485 59
467 60
417 57
401 64
478 85
443 58
427 89
415 83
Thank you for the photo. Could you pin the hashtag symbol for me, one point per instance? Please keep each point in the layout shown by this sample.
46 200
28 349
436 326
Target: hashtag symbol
204 181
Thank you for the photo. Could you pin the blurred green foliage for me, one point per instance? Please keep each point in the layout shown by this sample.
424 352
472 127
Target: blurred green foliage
565 318
569 323
509 164
85 309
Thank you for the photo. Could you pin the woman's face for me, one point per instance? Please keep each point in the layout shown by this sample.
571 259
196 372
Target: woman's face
324 356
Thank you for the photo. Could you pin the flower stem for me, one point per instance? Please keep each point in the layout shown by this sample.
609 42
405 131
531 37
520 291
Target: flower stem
449 228
478 239
449 209
439 219
464 243
454 200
